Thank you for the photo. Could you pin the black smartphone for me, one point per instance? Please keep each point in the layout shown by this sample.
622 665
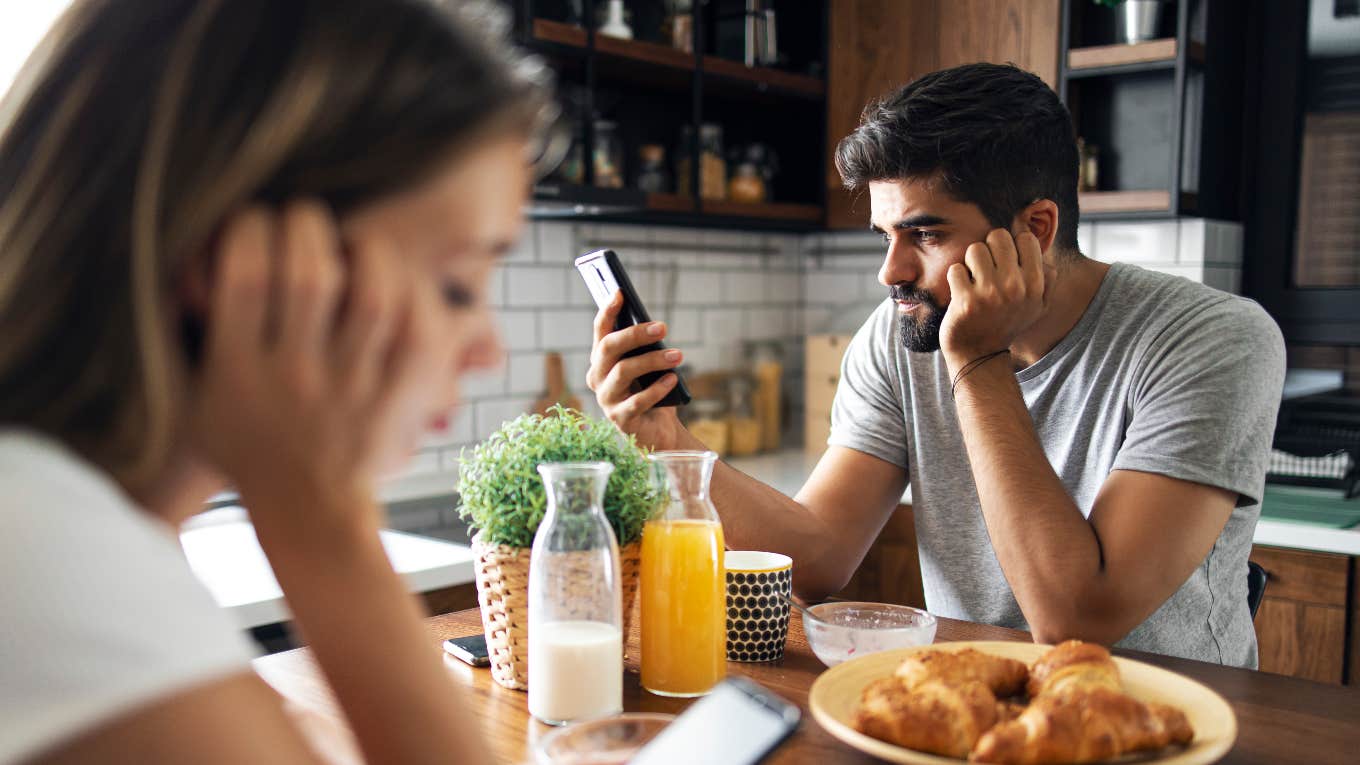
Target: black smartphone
471 650
738 723
604 276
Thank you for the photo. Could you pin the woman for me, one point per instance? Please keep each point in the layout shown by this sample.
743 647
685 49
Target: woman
246 243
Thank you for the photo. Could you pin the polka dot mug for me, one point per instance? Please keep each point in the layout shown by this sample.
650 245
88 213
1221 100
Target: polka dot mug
758 585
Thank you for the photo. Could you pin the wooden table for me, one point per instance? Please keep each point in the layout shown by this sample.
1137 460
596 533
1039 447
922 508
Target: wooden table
1280 719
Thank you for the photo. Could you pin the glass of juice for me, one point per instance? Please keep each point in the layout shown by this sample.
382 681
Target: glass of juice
683 588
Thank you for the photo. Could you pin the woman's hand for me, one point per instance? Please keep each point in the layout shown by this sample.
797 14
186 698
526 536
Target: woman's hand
304 364
613 379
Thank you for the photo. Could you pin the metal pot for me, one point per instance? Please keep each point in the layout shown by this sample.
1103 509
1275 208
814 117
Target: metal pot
1137 20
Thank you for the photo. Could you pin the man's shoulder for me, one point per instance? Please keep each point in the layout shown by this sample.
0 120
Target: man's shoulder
1167 308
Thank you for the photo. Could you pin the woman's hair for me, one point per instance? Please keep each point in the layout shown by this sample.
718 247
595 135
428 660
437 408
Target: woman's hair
992 134
138 127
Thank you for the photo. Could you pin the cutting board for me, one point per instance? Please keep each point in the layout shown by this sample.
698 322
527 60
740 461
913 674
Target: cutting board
555 384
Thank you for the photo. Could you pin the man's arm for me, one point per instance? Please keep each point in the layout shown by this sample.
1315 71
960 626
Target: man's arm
826 530
1073 578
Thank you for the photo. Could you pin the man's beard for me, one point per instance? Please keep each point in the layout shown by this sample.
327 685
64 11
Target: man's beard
919 335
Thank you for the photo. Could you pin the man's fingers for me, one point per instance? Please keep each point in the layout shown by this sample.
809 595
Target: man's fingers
619 381
1031 257
641 402
240 291
959 283
980 268
606 316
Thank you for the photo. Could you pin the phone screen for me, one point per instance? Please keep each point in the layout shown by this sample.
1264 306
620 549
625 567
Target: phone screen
471 649
737 724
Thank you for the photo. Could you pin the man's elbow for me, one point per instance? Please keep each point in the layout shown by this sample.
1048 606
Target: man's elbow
1088 626
816 584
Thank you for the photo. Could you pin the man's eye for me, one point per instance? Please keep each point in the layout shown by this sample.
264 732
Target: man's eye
458 296
928 237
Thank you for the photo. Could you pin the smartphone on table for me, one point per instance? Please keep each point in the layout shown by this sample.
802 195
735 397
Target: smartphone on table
604 276
738 723
469 650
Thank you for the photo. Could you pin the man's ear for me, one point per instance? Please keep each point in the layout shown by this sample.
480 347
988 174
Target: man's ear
1041 219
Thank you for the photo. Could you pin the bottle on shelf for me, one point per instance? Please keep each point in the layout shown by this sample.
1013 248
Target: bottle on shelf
608 155
653 177
615 25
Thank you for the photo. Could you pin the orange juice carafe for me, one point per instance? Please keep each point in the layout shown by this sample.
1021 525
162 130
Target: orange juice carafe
684 629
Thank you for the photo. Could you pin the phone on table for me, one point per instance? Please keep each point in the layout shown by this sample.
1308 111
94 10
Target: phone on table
470 650
738 723
604 276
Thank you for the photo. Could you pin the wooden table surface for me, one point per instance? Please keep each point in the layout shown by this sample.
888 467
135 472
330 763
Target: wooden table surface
1280 719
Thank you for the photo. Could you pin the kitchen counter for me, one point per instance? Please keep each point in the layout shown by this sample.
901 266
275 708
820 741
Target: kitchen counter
224 554
787 469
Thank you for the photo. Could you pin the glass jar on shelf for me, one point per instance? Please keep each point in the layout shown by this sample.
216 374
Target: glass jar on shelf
747 185
712 167
678 26
608 155
653 177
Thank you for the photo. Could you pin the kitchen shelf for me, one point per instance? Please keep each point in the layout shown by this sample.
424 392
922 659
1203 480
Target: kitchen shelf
556 32
1150 56
766 210
670 203
1152 200
764 78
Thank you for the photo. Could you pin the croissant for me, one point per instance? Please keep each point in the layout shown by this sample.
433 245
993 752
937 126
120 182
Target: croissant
1082 723
932 717
1004 677
1073 663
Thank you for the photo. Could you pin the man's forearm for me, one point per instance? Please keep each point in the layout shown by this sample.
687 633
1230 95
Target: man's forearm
1048 551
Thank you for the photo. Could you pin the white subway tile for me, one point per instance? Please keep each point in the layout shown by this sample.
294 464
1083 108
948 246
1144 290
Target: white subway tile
685 327
1222 243
730 261
823 287
743 287
1191 241
519 329
618 235
1141 242
1086 239
698 287
461 430
566 330
535 286
576 364
770 323
816 320
676 237
557 243
1224 278
704 358
718 239
578 295
482 384
495 288
492 414
526 248
424 461
783 288
723 325
525 376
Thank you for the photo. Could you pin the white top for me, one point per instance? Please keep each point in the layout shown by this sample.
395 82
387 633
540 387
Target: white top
99 612
226 557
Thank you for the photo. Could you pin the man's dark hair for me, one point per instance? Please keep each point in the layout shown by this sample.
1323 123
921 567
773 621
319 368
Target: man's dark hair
993 135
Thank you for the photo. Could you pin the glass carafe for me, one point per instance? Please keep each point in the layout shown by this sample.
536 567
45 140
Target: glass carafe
684 626
575 613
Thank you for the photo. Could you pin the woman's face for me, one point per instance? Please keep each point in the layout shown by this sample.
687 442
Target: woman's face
451 231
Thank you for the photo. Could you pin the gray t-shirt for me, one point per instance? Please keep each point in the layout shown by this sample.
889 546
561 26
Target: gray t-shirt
1160 375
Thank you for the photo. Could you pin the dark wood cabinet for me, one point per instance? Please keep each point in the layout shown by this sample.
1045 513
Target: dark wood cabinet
891 570
877 45
1301 627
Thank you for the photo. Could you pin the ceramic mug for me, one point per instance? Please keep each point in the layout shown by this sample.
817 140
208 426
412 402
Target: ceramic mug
757 615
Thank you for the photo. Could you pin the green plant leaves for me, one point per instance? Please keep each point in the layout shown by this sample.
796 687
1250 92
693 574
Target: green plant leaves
502 493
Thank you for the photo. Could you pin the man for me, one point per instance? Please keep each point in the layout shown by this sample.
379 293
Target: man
1086 444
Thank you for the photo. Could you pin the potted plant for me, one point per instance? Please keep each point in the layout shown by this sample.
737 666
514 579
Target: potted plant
503 499
1135 20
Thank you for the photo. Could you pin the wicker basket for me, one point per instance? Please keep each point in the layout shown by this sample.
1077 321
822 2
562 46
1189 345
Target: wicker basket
502 574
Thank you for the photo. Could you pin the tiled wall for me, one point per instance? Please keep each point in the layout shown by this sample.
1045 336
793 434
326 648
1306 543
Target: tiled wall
718 290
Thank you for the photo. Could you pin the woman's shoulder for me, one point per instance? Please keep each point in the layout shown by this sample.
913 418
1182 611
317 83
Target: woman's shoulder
102 612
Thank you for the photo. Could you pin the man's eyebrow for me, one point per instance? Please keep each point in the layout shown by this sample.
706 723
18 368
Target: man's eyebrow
915 221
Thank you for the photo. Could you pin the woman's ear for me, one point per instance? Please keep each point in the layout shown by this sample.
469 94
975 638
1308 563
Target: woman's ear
1041 219
193 290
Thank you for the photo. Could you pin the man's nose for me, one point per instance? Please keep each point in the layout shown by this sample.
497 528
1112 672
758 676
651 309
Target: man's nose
899 266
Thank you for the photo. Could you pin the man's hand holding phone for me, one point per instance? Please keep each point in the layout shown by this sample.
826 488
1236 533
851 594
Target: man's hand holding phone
613 378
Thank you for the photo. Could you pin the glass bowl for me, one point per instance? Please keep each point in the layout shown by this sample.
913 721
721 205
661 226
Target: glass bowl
839 632
609 740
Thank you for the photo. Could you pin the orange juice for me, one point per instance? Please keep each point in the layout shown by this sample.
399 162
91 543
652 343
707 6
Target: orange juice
683 589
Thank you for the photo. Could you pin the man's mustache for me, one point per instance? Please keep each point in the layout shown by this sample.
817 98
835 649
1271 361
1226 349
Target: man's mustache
910 293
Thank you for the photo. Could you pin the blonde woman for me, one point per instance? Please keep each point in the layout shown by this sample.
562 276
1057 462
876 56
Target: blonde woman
242 242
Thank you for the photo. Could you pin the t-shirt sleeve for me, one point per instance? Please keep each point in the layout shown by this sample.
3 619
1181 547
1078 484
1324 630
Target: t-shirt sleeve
1204 407
101 614
867 413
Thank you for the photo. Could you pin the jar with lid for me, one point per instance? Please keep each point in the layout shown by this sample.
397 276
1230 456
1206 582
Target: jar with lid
653 177
608 155
712 168
743 427
709 423
747 185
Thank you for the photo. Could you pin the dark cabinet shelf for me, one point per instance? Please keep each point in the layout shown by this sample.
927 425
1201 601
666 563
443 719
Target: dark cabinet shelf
766 210
1101 60
558 33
